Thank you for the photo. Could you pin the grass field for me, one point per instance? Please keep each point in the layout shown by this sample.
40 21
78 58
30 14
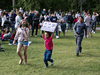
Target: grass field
65 61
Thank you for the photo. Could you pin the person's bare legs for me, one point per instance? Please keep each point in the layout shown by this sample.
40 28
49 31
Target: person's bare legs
87 33
59 33
18 51
25 55
64 34
90 31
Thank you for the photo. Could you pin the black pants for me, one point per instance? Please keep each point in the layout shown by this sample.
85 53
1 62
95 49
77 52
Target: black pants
35 25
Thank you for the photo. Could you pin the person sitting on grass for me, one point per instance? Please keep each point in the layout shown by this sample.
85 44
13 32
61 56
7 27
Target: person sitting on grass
5 34
49 48
23 37
12 38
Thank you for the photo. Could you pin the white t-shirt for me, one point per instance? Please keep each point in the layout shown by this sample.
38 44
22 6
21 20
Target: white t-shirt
18 20
76 15
87 20
3 20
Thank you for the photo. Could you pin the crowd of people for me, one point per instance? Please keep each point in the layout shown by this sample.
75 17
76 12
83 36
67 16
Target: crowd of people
22 22
66 20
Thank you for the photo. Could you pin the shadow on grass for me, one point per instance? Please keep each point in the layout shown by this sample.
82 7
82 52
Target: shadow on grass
88 55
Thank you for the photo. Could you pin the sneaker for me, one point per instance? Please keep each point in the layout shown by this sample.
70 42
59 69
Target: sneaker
20 62
87 36
77 54
35 35
25 63
52 63
94 32
45 66
57 37
10 44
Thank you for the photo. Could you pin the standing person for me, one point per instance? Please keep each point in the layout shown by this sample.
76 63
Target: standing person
87 21
72 13
94 22
12 18
44 11
60 12
79 33
98 18
70 21
55 20
23 37
48 18
49 48
62 21
77 14
35 24
0 15
3 17
90 26
18 20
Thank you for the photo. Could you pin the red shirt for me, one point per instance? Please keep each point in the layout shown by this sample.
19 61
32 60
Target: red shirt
48 43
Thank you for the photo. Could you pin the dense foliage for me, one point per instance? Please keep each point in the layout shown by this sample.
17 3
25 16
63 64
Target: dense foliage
64 5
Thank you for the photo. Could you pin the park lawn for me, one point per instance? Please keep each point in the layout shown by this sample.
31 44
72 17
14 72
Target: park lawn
65 61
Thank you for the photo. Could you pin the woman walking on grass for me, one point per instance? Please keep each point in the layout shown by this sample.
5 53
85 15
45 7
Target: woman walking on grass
23 37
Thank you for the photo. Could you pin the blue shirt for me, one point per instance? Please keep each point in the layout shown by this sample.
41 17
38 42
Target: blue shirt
53 19
48 19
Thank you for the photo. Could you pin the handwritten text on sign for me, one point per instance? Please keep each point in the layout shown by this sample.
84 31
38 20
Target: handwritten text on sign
49 26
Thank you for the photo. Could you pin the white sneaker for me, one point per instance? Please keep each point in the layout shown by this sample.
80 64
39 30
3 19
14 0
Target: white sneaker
35 35
20 62
57 37
87 36
94 32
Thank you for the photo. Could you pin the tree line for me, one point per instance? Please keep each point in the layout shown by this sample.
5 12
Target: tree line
64 5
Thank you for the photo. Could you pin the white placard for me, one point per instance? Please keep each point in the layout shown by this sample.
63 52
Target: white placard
49 26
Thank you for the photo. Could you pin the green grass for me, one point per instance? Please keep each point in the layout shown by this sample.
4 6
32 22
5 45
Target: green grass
65 61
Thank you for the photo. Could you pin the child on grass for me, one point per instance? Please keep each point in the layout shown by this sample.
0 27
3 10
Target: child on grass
23 36
49 47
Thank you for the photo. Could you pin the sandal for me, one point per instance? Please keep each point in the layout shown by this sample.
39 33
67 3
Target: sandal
25 63
20 62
